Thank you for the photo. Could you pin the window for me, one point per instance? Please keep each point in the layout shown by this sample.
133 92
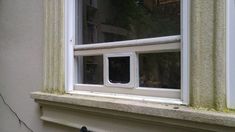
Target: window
230 53
134 47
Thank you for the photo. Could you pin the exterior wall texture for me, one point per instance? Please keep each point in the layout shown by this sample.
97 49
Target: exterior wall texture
208 55
21 65
54 46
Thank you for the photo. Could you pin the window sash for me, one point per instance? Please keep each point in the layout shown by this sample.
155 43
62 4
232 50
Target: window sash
160 44
70 62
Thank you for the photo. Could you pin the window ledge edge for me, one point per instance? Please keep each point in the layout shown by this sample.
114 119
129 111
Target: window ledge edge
125 108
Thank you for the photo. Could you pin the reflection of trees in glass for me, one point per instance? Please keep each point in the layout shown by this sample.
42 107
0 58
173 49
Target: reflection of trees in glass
93 70
144 21
160 70
117 20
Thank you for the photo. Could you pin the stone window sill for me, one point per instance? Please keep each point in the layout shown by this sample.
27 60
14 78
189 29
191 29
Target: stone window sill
65 109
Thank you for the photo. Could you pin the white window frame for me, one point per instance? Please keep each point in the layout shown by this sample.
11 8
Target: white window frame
230 54
140 46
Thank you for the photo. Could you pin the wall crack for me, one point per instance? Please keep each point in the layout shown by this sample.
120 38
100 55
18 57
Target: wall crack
21 122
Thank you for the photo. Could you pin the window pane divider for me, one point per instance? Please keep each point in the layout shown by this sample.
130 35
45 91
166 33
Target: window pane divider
162 44
129 43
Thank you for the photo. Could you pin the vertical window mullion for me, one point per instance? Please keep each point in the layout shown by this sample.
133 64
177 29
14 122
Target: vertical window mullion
185 55
69 29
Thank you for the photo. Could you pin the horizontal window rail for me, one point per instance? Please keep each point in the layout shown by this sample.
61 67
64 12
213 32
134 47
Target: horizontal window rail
169 43
141 91
136 42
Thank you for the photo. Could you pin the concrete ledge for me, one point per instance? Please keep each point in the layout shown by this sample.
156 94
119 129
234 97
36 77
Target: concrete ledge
149 112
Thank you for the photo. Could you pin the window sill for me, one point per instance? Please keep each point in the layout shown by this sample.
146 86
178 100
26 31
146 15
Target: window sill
78 110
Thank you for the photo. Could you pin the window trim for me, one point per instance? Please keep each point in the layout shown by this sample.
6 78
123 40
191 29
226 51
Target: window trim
70 42
69 24
230 73
185 51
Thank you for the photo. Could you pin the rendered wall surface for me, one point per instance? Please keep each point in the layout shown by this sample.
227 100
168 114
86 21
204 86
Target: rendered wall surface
21 64
208 65
54 46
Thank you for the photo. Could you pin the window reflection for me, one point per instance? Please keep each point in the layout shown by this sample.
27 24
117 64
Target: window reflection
92 69
160 70
117 20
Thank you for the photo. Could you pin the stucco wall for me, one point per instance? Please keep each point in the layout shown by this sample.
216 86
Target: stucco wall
21 64
207 42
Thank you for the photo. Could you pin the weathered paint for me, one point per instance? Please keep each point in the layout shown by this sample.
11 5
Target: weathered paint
54 47
208 54
220 55
152 113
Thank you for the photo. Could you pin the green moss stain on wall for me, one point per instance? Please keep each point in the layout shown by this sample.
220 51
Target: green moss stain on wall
208 84
59 91
54 47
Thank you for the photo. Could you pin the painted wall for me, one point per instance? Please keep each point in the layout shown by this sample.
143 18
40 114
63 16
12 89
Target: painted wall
21 54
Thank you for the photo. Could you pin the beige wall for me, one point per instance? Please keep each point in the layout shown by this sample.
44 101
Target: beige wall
21 53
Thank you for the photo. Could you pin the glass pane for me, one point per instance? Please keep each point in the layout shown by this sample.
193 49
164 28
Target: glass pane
91 68
117 20
119 69
160 70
